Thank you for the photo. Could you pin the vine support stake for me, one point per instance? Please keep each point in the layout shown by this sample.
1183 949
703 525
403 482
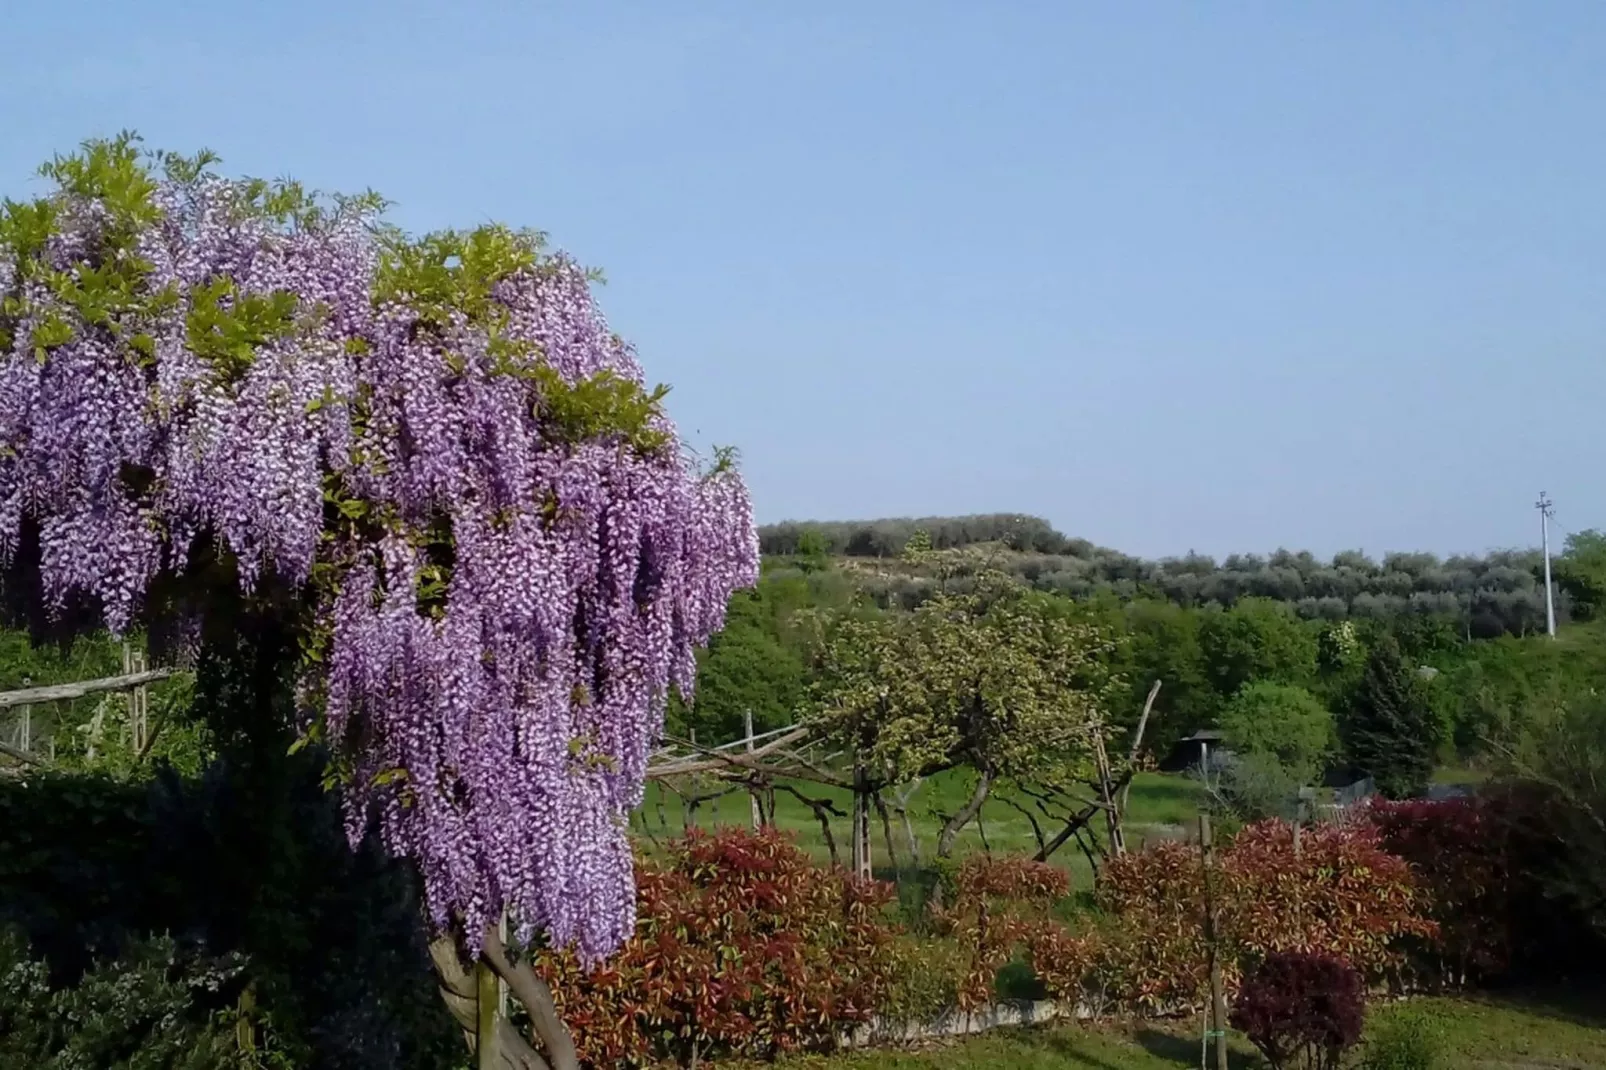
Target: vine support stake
1218 997
861 822
488 988
752 797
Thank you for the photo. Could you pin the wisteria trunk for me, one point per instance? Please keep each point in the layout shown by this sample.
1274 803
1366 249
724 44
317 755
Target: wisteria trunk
462 993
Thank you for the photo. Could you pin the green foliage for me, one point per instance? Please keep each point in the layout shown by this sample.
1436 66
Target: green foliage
813 553
1491 684
1391 733
603 404
1560 751
1282 722
451 272
1580 571
241 862
225 326
746 668
993 680
1464 597
92 734
1405 1041
116 174
155 1008
888 538
1256 640
1162 643
1255 787
111 171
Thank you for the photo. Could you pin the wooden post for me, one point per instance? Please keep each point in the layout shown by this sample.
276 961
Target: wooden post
752 796
1218 998
128 669
141 698
861 823
1110 798
245 1032
488 991
1299 820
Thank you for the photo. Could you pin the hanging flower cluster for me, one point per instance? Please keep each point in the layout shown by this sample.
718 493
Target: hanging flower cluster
437 441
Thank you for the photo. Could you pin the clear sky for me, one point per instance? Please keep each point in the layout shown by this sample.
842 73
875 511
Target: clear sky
1223 276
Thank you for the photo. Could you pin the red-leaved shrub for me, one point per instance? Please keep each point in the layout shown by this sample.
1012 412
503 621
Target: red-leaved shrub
1001 906
1154 954
1062 962
1303 1011
1458 851
1343 896
743 947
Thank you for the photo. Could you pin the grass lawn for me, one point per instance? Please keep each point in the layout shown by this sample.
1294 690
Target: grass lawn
1158 801
1480 1034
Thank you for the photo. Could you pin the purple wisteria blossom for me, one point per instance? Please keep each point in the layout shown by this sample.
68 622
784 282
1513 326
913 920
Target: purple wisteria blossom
499 729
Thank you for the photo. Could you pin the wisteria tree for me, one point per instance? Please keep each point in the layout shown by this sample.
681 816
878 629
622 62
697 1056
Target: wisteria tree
229 406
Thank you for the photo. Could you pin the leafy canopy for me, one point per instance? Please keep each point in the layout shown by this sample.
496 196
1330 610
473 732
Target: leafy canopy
991 679
1282 722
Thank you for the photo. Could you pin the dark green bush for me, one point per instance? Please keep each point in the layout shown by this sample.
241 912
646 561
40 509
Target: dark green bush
156 1008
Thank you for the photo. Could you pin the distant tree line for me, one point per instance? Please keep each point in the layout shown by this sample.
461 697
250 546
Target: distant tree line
1500 593
887 538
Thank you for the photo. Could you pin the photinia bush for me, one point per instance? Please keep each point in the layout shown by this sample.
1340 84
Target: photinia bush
1154 954
1302 1010
1063 962
1343 896
1458 852
743 947
1001 907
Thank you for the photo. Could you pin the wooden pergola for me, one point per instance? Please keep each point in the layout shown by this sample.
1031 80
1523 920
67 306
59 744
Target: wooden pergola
23 747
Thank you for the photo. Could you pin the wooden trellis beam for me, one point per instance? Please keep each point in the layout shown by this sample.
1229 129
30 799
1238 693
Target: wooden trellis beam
56 692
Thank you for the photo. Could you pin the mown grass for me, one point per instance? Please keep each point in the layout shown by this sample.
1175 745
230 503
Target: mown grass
1534 1032
1159 805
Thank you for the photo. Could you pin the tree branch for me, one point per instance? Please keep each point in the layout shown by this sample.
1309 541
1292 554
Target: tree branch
822 809
1037 830
886 829
972 807
1137 742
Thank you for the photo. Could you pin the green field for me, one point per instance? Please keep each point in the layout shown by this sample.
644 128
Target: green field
1481 1034
1158 803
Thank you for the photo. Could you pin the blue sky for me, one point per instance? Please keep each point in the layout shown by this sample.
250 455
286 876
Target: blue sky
1219 276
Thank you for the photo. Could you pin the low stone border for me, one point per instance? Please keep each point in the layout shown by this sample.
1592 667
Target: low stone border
955 1022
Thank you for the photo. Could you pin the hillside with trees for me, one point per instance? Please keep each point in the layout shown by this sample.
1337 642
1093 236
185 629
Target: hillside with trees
1244 644
1498 593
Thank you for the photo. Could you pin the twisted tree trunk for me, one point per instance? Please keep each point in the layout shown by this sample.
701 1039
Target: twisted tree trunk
461 991
972 807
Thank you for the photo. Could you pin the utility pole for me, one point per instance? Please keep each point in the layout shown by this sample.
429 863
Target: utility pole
1545 507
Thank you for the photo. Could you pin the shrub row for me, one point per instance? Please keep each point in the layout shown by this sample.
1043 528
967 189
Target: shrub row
744 947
